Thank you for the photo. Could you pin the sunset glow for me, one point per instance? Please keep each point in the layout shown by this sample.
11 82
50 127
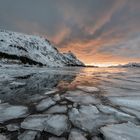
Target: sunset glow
100 32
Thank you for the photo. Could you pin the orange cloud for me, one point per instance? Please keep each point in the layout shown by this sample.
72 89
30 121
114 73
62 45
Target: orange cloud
60 36
87 51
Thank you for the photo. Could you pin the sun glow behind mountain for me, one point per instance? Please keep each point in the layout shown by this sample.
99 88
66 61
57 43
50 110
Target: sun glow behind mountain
101 65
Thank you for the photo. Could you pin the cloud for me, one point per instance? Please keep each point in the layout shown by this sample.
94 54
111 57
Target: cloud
105 17
61 35
96 30
129 49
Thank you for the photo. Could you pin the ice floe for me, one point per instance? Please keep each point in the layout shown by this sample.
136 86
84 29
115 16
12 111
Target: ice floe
28 135
132 102
76 135
57 124
116 113
57 138
45 104
88 118
35 122
96 138
131 111
17 84
124 131
88 89
51 91
8 112
13 127
81 97
2 137
57 109
56 97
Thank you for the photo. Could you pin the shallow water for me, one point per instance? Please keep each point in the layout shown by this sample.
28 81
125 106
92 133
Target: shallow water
29 85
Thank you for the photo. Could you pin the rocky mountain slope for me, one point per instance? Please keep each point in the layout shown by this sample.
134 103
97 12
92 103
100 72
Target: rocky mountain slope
29 49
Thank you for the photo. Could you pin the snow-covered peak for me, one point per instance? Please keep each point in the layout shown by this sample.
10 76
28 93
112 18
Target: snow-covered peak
33 50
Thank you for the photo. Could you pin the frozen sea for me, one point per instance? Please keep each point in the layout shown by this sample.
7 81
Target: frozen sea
69 103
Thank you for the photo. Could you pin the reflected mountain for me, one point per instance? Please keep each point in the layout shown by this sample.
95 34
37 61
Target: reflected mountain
27 87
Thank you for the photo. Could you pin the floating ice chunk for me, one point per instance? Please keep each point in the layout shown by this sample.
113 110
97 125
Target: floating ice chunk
63 102
28 135
118 114
96 138
90 109
44 104
131 111
88 89
75 105
69 106
57 138
57 109
13 127
51 91
2 137
88 118
125 131
57 97
17 84
130 101
5 77
8 112
76 135
116 92
36 97
57 124
81 97
35 122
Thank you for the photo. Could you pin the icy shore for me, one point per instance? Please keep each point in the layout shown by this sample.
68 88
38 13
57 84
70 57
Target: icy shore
69 103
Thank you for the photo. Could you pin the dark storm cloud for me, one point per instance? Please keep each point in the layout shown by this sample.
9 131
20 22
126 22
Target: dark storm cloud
86 27
52 15
42 13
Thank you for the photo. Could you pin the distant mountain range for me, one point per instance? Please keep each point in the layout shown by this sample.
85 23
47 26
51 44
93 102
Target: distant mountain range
133 64
20 48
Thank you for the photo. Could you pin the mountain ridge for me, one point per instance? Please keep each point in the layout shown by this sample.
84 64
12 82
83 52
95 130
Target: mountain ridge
128 65
33 50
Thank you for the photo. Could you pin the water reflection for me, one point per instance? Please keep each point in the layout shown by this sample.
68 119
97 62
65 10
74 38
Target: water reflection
24 88
22 85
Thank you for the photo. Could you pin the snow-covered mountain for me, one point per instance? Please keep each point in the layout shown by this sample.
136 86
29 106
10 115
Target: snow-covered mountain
134 64
30 49
129 65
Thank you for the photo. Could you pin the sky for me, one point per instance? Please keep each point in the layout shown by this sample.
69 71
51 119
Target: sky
99 32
